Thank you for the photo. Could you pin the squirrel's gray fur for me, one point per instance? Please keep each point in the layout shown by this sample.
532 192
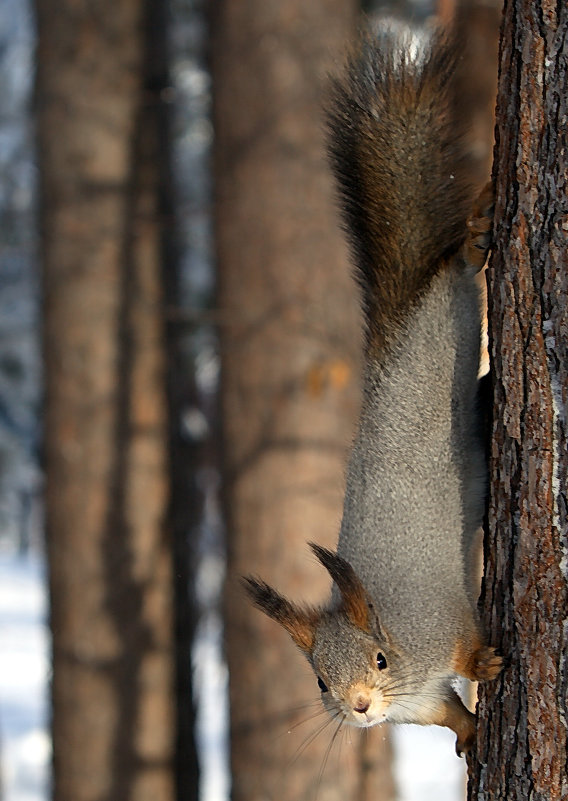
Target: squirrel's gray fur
402 621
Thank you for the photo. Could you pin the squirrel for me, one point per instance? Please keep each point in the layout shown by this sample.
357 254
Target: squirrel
402 622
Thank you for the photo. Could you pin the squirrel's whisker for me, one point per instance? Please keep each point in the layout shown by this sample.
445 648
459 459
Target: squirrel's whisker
319 713
328 751
310 739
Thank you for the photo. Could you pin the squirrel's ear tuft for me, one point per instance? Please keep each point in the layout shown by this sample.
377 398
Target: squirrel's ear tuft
353 595
300 623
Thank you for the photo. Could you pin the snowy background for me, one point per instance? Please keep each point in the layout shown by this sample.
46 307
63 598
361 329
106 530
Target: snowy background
24 741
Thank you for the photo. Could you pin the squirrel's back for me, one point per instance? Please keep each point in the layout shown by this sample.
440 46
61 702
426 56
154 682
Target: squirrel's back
396 147
415 481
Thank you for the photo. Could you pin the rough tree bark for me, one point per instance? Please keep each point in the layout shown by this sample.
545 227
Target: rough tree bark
522 741
290 347
106 453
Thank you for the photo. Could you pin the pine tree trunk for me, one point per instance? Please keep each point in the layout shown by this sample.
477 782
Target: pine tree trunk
106 437
290 384
522 741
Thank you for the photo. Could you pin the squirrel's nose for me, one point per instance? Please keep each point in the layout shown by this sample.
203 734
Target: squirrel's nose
361 704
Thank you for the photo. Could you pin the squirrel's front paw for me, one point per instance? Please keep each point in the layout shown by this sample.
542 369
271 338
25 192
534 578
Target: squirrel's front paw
476 661
463 723
464 742
453 714
479 227
485 664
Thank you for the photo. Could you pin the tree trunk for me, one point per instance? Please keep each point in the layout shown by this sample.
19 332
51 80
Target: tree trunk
290 383
522 741
106 437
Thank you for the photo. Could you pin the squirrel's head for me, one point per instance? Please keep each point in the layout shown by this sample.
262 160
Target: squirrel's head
351 654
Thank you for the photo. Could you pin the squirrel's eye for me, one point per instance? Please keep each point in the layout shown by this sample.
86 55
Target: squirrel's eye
381 661
322 685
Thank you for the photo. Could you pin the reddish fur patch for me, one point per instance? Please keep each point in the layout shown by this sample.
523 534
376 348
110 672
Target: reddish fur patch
357 610
302 628
299 622
453 714
476 661
353 595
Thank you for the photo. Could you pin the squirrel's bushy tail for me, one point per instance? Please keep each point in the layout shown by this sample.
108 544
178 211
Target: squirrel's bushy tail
395 142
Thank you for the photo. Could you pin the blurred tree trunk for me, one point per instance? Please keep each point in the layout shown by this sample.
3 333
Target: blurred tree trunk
290 344
522 741
477 23
106 427
477 26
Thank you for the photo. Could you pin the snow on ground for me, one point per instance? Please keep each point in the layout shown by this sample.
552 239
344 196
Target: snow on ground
426 767
24 744
211 684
